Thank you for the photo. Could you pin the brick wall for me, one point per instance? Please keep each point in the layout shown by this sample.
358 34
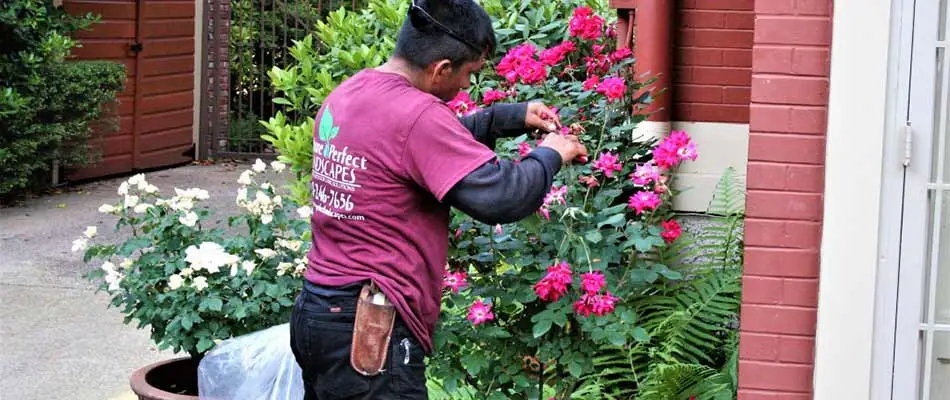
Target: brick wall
789 98
713 60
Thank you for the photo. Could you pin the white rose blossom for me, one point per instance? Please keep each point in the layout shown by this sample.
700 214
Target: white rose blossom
305 212
283 267
187 271
142 208
189 219
278 166
123 189
267 218
265 253
175 281
151 189
245 178
241 199
293 245
248 267
80 244
208 256
199 283
91 232
259 166
107 209
138 179
126 264
131 201
112 277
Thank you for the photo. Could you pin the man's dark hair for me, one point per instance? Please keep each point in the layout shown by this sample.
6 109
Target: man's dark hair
461 32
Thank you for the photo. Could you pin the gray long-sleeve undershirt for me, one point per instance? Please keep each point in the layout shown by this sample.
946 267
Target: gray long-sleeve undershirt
502 191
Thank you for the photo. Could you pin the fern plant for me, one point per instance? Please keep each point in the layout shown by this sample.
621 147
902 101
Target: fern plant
693 346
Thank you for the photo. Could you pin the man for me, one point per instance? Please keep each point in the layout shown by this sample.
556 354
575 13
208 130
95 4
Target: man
390 158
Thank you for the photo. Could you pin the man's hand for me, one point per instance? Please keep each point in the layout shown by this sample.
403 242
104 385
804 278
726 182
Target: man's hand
541 117
569 146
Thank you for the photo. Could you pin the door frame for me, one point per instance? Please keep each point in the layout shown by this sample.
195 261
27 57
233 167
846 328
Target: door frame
907 349
899 289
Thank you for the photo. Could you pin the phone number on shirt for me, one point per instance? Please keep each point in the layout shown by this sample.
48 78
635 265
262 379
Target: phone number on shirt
332 198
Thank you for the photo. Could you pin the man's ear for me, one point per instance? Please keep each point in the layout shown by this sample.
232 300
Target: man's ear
442 69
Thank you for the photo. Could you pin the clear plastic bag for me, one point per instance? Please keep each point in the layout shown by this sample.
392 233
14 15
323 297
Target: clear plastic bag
256 366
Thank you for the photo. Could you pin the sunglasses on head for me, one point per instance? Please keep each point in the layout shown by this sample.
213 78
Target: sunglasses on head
416 12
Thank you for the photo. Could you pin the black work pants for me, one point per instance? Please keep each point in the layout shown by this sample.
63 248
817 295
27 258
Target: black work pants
321 334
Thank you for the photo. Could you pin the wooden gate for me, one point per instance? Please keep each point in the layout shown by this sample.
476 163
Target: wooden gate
155 39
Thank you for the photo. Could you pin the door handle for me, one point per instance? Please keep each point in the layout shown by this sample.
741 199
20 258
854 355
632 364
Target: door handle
135 47
943 360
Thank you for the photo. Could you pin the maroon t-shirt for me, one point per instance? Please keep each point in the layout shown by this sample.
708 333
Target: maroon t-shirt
384 155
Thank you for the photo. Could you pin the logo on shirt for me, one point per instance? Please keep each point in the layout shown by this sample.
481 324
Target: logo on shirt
334 173
327 131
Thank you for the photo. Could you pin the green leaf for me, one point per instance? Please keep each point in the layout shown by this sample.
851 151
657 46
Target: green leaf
593 236
614 220
541 327
215 304
186 322
474 364
576 369
616 338
639 334
204 345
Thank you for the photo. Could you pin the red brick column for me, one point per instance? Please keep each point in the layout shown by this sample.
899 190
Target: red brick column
788 111
713 60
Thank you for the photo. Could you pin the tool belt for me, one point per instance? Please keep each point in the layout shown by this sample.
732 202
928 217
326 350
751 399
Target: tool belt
375 317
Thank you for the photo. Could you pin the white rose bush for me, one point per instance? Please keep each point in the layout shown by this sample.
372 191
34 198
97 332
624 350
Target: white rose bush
194 282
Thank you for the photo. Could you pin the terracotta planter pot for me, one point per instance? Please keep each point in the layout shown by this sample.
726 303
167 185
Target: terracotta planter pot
175 379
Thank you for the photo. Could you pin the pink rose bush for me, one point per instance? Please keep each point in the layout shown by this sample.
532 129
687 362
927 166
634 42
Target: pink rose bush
559 284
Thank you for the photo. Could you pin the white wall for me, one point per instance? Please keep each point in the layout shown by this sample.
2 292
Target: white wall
720 146
852 203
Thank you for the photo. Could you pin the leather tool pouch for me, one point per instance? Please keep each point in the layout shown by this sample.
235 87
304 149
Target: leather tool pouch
371 333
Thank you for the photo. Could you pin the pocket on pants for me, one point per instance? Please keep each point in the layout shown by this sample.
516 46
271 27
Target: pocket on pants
407 366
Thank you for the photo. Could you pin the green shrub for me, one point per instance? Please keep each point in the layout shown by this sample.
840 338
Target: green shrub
349 41
49 106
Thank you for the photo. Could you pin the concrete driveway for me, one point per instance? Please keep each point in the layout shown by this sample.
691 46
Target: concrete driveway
58 339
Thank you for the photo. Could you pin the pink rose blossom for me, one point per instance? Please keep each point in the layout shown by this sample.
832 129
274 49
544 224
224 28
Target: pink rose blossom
645 173
556 54
585 24
592 282
604 304
597 304
455 281
613 88
523 149
520 63
620 54
608 163
589 181
555 283
671 231
676 147
462 104
480 312
644 200
592 82
556 195
492 96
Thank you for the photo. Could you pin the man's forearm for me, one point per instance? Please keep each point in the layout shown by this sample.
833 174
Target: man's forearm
498 121
505 192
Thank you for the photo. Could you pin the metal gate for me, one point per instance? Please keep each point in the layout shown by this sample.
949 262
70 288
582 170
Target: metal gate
155 40
243 40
